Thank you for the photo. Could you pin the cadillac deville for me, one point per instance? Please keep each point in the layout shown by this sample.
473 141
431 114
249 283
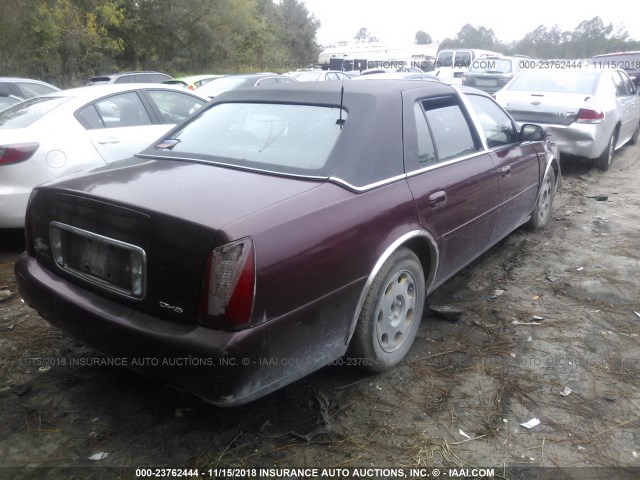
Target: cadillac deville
282 228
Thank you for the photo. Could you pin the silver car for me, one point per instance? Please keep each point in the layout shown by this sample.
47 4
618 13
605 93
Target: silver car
588 112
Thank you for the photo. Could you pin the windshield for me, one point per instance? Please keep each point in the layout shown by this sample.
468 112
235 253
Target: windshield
281 138
491 65
560 81
25 113
220 85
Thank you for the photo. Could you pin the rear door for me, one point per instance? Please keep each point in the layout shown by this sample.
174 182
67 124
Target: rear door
452 179
119 126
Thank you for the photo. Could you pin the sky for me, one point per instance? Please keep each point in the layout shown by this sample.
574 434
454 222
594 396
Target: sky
397 21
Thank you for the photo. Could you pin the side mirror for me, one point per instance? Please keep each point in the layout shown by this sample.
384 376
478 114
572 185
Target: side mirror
532 133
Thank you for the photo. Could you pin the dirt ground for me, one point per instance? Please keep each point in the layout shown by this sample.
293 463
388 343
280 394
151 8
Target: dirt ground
549 331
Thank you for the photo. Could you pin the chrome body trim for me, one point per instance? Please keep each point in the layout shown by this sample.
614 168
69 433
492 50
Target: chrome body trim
110 241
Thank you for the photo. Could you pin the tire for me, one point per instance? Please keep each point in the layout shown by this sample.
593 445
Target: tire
636 134
604 161
391 313
544 204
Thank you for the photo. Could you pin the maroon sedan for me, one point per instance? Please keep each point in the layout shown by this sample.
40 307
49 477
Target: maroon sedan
282 228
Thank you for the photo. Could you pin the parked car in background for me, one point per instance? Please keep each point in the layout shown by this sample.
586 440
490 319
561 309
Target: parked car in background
375 71
398 76
130 77
451 64
191 82
491 73
589 112
234 82
243 259
627 61
8 100
25 88
66 132
318 75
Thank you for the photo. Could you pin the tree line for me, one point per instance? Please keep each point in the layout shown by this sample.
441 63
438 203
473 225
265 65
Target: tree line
589 38
67 41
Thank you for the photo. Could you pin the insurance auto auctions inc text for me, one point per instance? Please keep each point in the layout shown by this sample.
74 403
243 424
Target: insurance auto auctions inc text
340 473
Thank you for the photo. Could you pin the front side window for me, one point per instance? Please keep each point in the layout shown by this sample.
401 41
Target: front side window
282 138
175 107
445 59
496 125
463 60
617 81
450 128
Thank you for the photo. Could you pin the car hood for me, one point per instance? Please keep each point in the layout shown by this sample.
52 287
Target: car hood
204 194
544 107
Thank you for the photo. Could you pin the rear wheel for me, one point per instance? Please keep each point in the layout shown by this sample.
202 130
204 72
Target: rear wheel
603 162
391 313
544 205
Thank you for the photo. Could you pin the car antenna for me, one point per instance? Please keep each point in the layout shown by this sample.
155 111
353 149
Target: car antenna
340 121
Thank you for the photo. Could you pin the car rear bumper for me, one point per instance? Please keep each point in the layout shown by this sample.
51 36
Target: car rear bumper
13 205
221 367
581 140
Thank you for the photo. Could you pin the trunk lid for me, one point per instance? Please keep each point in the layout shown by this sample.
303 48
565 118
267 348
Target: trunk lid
164 217
544 107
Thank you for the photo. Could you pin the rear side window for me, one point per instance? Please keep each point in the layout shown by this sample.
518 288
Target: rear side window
25 113
426 150
124 110
450 128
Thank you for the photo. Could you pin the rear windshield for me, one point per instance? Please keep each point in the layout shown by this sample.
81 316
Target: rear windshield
280 138
491 65
220 85
561 81
626 61
25 113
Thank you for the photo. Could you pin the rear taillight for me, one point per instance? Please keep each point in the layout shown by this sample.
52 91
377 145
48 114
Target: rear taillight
17 152
587 115
229 285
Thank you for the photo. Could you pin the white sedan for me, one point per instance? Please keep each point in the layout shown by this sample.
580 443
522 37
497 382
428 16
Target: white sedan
65 132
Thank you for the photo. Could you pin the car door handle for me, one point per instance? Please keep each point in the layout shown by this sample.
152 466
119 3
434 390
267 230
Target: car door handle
505 171
437 199
108 140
